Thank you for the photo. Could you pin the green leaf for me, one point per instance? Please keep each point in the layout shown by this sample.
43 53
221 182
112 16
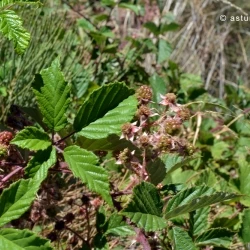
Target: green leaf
117 226
245 181
113 120
168 27
194 198
175 161
218 149
11 3
36 162
159 87
112 142
189 82
180 177
208 178
11 26
199 220
109 3
164 51
182 241
22 240
220 237
161 4
100 102
32 138
133 7
53 97
145 208
152 27
17 199
100 242
85 24
246 226
83 165
156 170
187 195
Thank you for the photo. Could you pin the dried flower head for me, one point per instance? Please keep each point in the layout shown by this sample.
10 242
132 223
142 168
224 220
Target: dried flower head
144 94
129 130
183 114
168 99
144 140
143 111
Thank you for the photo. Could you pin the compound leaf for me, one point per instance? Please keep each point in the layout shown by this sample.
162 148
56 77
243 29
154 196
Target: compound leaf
83 165
32 138
145 208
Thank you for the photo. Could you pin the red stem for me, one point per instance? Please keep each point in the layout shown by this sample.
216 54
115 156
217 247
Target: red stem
141 238
8 176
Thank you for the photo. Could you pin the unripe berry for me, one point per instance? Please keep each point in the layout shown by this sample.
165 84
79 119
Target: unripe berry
144 140
171 125
3 151
127 128
190 148
164 143
143 111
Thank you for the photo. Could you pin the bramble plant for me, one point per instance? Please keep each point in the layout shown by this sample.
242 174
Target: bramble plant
133 153
115 134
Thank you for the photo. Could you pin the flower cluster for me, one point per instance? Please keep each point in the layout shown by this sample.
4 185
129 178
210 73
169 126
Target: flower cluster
155 131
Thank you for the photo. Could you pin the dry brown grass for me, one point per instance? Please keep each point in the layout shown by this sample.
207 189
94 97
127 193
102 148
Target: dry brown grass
216 50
